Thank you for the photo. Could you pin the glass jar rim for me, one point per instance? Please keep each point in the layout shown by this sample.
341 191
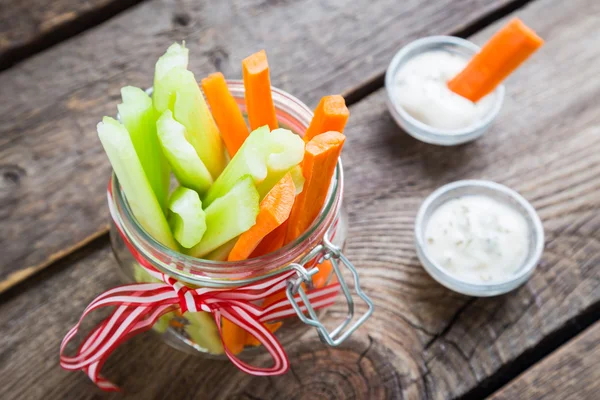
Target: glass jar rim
228 273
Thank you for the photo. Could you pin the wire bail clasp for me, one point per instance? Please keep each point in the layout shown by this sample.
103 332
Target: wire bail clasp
327 251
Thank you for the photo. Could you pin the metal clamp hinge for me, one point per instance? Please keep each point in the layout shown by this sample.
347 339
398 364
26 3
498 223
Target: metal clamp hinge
322 252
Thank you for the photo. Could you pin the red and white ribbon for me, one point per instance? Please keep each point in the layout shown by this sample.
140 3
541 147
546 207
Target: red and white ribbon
138 306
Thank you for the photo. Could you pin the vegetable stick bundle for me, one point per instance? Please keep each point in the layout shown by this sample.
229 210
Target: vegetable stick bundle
244 191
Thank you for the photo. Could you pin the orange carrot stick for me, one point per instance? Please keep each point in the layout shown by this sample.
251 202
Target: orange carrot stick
320 157
320 278
233 336
500 56
257 84
330 115
272 242
274 210
226 112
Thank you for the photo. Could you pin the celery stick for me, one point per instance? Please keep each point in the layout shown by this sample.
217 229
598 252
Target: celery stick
228 217
179 92
187 166
249 160
187 219
222 252
138 116
298 178
203 331
286 151
175 56
126 164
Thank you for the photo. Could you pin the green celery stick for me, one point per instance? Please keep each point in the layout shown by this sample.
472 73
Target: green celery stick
203 331
286 152
249 160
222 252
187 219
175 56
138 116
228 217
179 92
126 164
187 166
298 178
265 156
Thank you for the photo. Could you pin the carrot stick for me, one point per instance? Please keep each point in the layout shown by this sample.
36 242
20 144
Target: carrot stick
500 56
233 336
320 278
330 115
272 242
320 157
225 111
257 84
274 210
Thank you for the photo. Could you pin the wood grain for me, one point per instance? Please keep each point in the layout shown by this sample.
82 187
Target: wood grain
29 26
423 341
569 373
53 171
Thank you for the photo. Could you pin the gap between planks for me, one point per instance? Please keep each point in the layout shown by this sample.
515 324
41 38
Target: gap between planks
509 372
64 31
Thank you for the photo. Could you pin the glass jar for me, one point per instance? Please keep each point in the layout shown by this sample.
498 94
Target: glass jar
196 333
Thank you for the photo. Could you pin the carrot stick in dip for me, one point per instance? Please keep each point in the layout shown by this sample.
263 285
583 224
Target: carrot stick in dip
257 85
500 56
226 112
330 115
274 210
320 157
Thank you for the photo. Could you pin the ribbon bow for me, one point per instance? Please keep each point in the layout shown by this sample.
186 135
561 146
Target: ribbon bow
140 305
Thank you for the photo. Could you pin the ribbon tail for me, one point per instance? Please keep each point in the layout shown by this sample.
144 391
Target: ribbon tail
252 325
125 321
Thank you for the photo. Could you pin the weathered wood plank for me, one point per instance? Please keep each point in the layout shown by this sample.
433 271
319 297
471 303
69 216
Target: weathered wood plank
53 171
30 25
569 373
423 341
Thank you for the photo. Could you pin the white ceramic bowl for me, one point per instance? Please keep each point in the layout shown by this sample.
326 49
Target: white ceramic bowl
499 193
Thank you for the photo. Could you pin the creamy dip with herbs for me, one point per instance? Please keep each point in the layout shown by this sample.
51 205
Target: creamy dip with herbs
477 239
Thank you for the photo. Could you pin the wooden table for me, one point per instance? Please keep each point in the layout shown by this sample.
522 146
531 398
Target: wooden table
63 66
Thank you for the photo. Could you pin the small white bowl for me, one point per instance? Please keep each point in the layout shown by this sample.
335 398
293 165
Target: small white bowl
420 130
499 193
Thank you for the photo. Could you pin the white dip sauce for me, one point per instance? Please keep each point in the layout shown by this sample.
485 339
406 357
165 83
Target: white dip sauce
420 88
477 239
